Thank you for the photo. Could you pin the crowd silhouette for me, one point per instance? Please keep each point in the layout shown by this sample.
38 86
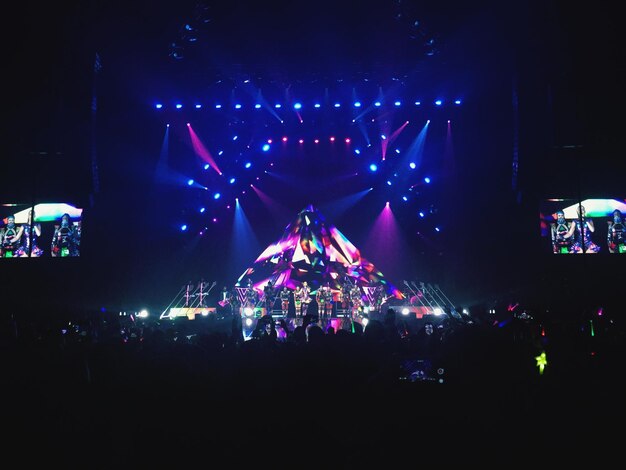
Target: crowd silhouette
119 390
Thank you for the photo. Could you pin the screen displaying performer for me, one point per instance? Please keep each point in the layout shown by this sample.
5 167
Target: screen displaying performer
588 226
40 230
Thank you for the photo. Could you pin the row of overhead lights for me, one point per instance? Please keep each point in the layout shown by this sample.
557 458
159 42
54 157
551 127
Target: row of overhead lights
299 106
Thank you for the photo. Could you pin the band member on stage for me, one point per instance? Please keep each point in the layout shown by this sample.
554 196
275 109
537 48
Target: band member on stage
328 293
251 296
355 298
346 289
29 238
268 296
225 296
616 236
379 298
10 237
235 301
324 301
64 239
284 300
297 299
306 297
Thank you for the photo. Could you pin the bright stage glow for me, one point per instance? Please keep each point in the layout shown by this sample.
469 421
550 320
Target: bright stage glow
427 180
297 106
159 106
397 103
232 181
266 147
198 106
205 312
189 182
183 227
207 166
438 102
457 101
377 104
237 106
412 165
248 322
364 322
143 313
217 196
357 104
373 167
405 311
337 105
438 311
248 312
178 106
257 106
465 311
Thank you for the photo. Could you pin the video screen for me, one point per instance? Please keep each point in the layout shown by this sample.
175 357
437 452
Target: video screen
43 230
590 226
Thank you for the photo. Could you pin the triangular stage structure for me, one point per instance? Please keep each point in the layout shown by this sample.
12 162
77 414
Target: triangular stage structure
314 251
